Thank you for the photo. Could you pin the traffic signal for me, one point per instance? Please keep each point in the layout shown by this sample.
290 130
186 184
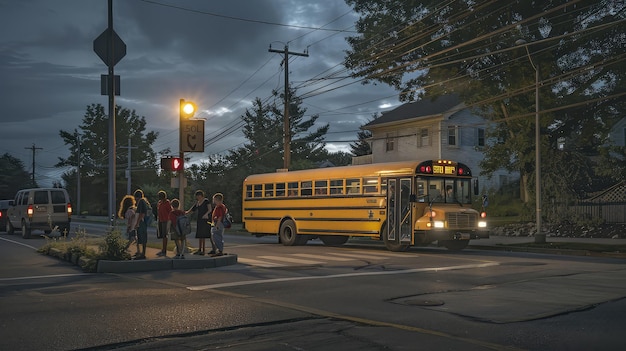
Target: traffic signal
187 109
172 164
177 164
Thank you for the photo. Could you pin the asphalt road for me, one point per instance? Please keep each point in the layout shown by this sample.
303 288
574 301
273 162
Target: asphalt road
355 297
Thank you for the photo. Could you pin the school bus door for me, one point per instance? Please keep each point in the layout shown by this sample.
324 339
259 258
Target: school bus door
399 233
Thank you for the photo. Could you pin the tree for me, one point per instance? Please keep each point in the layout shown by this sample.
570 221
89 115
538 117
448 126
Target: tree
264 130
426 49
362 146
13 176
93 156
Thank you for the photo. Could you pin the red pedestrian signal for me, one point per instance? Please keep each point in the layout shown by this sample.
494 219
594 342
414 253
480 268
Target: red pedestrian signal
177 164
172 164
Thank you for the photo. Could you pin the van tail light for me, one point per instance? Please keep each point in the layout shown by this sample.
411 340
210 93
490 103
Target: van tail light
30 211
69 209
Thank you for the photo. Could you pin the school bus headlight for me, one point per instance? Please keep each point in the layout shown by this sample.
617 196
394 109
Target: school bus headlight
482 224
438 224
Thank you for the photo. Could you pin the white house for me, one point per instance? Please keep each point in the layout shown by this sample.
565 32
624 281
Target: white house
432 129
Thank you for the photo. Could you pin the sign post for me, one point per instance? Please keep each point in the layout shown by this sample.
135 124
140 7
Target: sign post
111 49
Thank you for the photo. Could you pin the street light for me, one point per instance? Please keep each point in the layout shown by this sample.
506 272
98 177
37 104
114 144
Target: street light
186 111
540 237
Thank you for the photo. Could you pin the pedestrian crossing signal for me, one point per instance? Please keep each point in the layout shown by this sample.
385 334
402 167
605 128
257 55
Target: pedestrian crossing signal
172 164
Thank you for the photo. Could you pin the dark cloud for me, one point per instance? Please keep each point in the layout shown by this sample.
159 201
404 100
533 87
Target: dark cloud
49 72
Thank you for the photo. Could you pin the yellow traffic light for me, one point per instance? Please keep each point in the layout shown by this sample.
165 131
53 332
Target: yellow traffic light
187 109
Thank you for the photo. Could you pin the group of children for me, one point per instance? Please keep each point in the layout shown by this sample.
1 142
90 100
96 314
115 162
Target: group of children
134 209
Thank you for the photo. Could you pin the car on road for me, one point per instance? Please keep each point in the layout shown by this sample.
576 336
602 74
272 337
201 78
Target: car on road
4 206
39 209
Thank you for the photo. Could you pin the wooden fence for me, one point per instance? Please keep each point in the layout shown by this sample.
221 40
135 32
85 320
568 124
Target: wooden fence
609 212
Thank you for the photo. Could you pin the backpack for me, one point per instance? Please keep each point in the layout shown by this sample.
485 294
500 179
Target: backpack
149 216
183 226
227 220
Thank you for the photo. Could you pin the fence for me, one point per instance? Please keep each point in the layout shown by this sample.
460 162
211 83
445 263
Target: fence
609 212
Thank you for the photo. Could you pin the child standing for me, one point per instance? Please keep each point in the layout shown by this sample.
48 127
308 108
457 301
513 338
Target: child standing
127 212
177 234
163 210
217 231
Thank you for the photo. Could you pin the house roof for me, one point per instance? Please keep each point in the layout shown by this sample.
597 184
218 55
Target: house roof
422 108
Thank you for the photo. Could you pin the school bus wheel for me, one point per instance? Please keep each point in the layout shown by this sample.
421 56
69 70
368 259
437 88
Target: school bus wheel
288 233
334 240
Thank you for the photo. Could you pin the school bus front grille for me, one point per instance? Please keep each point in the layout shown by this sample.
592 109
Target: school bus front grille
461 220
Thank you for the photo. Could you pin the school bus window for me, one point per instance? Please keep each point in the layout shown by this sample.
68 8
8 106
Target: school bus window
353 186
248 191
258 190
370 185
280 189
293 188
321 187
336 187
269 190
383 186
306 188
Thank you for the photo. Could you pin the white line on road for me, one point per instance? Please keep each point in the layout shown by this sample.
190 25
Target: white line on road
290 260
345 275
19 243
320 257
258 263
46 276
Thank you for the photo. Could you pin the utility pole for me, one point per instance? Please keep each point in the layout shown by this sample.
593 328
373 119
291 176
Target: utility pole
33 148
128 172
286 127
78 173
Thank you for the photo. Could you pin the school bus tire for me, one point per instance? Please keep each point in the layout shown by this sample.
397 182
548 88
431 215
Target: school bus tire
454 245
391 246
334 240
288 233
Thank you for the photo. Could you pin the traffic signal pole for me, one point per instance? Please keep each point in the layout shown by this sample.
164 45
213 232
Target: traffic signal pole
181 172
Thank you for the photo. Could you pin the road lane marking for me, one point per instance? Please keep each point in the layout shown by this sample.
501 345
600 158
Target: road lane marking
376 253
252 262
361 256
320 257
344 275
47 276
289 259
19 243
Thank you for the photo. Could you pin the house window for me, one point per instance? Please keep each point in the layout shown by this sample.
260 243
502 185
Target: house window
453 133
389 146
424 137
481 137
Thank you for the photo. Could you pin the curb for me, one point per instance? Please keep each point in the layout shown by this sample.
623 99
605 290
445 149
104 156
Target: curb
105 266
565 252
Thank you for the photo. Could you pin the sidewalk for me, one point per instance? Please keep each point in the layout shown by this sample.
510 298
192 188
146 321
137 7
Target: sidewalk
554 245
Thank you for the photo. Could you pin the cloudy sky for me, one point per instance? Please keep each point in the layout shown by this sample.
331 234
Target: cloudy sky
175 49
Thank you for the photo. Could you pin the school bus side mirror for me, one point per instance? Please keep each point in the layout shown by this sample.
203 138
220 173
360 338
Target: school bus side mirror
476 187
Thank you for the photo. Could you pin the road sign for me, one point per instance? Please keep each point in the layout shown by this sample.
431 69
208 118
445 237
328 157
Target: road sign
192 135
104 84
102 49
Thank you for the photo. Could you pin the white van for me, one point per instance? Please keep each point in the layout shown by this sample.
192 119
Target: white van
39 209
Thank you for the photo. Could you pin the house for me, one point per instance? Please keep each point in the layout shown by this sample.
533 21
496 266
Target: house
433 129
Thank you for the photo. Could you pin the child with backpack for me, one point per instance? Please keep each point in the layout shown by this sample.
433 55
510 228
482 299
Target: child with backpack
219 213
178 226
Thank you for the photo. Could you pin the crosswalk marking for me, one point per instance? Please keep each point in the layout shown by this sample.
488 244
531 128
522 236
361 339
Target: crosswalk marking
296 259
289 259
258 263
320 257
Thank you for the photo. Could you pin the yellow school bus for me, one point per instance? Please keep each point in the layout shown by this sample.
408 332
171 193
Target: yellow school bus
401 203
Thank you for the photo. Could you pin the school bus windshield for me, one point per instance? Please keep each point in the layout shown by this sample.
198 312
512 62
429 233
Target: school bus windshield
443 190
